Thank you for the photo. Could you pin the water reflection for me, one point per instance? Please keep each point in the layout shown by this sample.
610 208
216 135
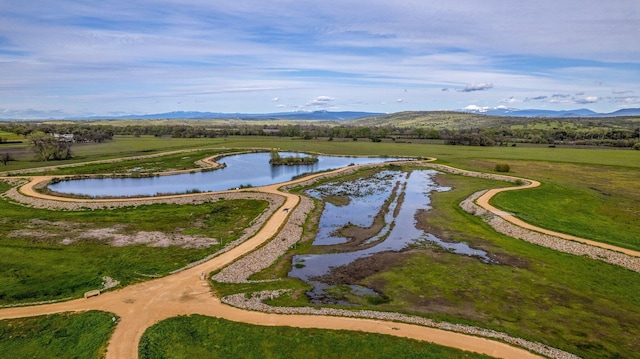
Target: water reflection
398 195
252 169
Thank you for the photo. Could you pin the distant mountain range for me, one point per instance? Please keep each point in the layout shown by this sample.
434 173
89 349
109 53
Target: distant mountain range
582 112
352 115
300 115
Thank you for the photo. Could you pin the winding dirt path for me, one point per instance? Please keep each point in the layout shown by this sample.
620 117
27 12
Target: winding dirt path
142 305
483 201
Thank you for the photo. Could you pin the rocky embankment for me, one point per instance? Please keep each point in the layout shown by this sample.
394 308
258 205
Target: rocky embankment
255 302
15 196
545 240
240 270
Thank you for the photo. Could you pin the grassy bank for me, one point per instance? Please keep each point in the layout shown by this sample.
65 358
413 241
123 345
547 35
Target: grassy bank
574 303
203 337
158 163
577 304
61 336
37 266
595 202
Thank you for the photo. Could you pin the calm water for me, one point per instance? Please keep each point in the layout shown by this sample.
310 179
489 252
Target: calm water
245 169
367 196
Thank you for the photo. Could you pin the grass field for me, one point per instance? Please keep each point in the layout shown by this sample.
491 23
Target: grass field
203 337
171 162
574 303
36 265
581 305
601 203
63 336
10 136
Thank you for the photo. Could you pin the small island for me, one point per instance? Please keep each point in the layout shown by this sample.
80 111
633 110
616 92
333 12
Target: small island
277 160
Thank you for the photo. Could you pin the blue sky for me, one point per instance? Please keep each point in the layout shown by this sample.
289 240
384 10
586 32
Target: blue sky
81 58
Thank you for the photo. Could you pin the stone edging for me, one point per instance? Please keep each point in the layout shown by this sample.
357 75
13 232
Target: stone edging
548 241
255 303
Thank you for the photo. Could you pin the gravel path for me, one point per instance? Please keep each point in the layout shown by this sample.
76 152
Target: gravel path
144 304
546 240
255 302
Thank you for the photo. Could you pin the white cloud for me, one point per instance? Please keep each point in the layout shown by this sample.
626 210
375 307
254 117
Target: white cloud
128 56
586 100
476 108
479 86
321 101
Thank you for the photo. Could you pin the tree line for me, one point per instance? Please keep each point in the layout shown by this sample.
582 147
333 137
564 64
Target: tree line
46 147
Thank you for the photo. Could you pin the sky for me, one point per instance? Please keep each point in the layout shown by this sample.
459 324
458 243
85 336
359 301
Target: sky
68 58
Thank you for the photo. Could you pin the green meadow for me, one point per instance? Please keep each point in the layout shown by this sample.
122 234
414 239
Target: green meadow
37 265
204 337
64 336
577 304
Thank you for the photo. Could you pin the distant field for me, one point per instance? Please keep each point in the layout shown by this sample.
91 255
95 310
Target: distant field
10 136
458 120
123 146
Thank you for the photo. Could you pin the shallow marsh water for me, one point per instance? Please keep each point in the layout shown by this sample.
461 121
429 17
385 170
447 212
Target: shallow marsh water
366 197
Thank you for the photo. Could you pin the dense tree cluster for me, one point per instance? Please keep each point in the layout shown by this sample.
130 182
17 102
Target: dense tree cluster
599 132
81 132
47 147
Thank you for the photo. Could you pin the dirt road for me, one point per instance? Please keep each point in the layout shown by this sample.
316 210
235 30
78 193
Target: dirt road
142 305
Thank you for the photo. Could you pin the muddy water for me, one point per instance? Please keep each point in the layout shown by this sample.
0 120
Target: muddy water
367 196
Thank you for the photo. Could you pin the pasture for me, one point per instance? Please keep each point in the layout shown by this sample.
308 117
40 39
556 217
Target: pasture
581 305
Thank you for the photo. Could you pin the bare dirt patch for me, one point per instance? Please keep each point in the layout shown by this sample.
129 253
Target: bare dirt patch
68 233
362 268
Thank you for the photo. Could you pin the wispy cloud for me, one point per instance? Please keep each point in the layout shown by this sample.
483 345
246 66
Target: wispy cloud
536 98
510 100
151 56
480 86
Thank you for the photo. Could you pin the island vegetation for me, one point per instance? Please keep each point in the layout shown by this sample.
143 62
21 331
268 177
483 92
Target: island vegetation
277 160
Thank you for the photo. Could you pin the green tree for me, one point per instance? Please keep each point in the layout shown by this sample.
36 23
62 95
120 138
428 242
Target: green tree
47 147
6 157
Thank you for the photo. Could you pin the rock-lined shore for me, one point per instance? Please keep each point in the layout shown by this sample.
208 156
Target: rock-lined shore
241 270
14 195
258 260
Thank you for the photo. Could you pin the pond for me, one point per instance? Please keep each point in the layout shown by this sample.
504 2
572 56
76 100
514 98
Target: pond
242 170
396 195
